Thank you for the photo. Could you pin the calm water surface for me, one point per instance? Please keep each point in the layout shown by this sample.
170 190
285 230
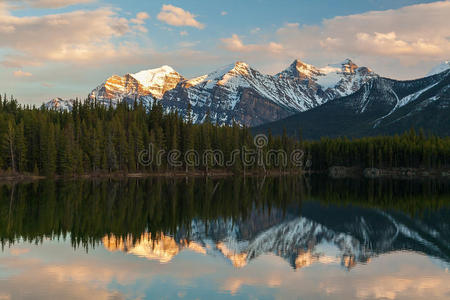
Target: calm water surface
253 238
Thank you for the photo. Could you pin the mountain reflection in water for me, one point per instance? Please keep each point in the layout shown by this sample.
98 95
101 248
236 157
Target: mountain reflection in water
304 222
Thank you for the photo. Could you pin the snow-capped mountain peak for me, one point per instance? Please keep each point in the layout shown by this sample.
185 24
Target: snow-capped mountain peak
336 80
152 82
220 75
344 78
300 70
152 77
347 66
60 104
443 66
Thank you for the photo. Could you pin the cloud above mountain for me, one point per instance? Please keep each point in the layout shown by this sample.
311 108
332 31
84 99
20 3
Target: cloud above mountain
235 44
20 73
177 16
79 36
409 33
47 3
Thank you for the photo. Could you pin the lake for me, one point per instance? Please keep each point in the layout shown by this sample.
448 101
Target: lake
244 238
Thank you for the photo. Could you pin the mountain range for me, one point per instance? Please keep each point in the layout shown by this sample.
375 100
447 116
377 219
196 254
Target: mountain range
235 92
381 106
339 99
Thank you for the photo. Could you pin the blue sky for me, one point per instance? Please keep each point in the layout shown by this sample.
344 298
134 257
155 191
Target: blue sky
65 48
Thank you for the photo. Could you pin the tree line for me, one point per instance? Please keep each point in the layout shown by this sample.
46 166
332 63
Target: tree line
94 138
409 150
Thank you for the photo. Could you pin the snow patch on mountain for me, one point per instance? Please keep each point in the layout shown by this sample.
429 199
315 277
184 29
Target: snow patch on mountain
149 78
404 101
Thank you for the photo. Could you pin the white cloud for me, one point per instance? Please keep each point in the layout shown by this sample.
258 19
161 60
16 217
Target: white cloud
177 16
224 13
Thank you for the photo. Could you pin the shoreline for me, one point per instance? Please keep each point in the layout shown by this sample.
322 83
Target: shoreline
175 174
335 172
396 173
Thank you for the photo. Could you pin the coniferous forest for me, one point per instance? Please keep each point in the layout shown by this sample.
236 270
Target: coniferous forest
93 138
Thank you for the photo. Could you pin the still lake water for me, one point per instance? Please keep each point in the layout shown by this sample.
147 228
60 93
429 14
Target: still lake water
252 238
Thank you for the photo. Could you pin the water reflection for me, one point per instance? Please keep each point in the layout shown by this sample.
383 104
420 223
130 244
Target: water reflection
270 238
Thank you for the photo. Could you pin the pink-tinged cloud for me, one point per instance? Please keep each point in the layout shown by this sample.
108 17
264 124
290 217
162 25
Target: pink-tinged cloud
47 3
78 36
235 44
412 33
140 18
20 73
177 16
139 21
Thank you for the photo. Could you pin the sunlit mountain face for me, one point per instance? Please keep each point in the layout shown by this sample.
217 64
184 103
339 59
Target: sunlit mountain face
303 221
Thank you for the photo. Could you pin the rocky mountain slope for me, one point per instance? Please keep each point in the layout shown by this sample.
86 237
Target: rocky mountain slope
381 106
236 92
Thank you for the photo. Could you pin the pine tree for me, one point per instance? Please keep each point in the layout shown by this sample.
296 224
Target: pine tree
21 148
9 144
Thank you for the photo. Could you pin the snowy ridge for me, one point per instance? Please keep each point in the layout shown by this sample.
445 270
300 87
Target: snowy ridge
340 79
443 66
60 104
